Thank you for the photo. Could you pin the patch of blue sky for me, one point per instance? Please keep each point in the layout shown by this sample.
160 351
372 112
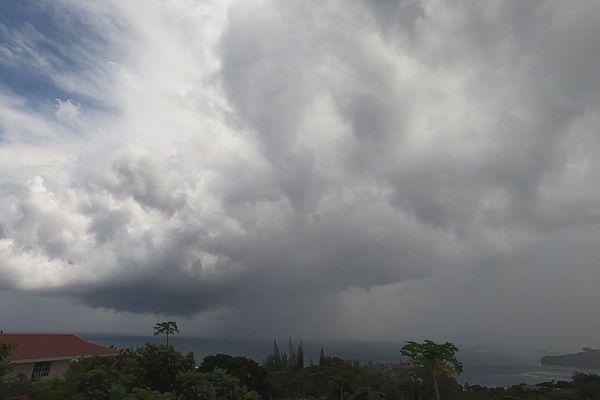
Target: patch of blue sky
41 43
43 94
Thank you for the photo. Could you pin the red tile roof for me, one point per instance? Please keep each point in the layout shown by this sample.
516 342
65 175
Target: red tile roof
41 346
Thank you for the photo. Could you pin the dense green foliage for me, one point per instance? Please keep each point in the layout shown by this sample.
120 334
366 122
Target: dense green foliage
4 366
9 385
161 373
248 372
433 360
293 361
149 373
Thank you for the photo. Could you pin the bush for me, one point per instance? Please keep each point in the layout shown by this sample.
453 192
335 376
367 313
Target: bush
248 372
159 366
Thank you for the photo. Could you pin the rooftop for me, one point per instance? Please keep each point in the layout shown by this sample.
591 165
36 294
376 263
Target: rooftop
51 346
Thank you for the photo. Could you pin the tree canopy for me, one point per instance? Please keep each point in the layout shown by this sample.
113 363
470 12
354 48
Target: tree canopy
166 328
436 360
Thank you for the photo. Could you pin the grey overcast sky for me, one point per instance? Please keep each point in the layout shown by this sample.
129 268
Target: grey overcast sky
349 169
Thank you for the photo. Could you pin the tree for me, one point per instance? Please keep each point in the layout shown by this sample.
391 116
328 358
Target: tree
248 372
229 388
159 366
586 386
195 386
436 360
276 361
5 367
292 356
10 386
166 328
300 356
276 352
339 380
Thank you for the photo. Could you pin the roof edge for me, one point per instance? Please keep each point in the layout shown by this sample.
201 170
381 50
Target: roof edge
61 358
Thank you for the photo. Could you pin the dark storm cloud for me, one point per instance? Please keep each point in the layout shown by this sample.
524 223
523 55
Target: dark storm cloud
373 158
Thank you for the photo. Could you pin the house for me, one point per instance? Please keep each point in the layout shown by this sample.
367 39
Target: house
49 355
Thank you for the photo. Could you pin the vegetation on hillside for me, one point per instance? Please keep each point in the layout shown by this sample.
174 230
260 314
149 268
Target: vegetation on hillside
159 372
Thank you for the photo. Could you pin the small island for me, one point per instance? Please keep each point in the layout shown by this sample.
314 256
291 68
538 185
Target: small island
588 358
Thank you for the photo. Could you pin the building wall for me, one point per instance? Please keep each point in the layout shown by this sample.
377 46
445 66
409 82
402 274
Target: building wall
25 368
58 369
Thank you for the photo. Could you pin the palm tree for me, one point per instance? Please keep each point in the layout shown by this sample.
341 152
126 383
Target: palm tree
166 328
433 358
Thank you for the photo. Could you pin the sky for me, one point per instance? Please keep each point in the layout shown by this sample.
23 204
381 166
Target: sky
351 169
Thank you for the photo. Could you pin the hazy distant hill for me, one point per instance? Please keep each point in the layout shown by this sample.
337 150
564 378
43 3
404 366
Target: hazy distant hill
588 358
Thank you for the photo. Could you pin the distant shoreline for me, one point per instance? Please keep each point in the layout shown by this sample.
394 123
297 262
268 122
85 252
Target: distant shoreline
588 359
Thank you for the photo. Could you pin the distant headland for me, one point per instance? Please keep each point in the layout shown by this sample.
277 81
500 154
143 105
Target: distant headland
588 358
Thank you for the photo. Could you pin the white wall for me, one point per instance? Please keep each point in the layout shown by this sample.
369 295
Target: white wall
57 369
25 368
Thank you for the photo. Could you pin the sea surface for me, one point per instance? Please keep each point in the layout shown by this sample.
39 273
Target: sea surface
482 366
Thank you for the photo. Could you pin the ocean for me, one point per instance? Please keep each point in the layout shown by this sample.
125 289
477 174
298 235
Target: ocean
482 366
